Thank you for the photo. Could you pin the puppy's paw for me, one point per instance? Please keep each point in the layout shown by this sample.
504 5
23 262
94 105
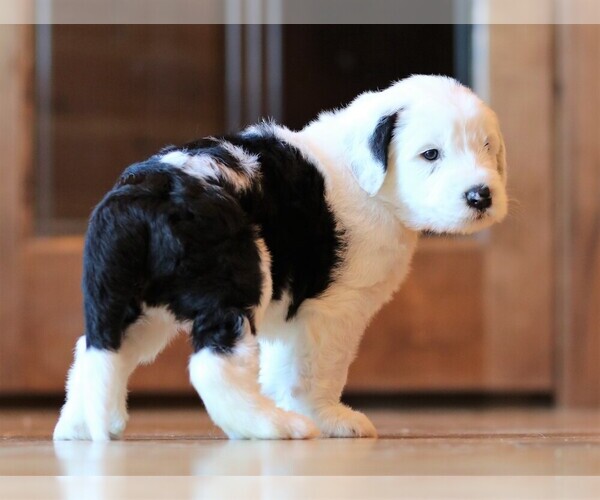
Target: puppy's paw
299 427
272 424
342 422
71 428
118 422
70 431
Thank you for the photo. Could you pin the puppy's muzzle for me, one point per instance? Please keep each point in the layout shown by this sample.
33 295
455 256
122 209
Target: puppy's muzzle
479 197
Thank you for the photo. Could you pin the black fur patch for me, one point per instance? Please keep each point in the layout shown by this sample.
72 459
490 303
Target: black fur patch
164 238
293 217
381 138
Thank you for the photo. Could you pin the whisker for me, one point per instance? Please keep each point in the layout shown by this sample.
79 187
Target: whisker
516 212
514 201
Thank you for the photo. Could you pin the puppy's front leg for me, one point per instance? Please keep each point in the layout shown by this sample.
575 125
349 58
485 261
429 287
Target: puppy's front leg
304 368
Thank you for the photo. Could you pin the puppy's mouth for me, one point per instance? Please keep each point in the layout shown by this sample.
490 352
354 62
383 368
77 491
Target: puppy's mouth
430 233
471 222
479 215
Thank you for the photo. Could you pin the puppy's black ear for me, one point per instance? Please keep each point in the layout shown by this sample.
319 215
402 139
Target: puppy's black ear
371 162
381 138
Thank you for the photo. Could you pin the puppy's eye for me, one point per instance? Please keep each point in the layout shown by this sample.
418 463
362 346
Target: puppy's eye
431 154
487 145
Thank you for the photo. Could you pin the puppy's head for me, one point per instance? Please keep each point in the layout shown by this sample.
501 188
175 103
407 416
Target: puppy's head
439 157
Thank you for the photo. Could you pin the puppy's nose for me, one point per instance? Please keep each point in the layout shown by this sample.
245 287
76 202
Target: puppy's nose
479 197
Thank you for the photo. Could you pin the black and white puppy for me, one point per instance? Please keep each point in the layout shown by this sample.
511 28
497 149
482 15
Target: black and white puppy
273 249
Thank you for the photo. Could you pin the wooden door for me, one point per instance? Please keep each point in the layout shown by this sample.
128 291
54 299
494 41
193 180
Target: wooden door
90 121
578 207
474 315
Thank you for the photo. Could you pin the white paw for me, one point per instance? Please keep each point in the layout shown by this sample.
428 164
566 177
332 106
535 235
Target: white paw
273 424
341 421
99 431
296 426
118 423
78 431
69 429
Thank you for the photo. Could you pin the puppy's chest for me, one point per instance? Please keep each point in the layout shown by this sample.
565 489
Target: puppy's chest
378 262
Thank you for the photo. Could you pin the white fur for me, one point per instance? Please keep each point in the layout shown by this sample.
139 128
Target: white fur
247 161
229 384
71 424
204 166
267 286
230 391
175 158
304 362
96 405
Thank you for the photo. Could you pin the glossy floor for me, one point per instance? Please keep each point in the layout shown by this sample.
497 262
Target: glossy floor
431 442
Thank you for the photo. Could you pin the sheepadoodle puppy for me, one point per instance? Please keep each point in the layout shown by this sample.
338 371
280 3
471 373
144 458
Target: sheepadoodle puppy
272 249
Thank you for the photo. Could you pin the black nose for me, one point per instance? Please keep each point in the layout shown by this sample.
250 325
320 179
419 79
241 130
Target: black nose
479 197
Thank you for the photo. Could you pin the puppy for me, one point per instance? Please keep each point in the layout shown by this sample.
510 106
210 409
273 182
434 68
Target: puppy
273 249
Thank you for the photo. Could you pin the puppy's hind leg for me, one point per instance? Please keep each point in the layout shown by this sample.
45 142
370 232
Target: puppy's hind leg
224 371
142 342
71 424
97 381
105 383
98 376
92 391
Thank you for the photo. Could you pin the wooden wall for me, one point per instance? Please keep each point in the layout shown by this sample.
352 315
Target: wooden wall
29 275
119 93
16 106
520 266
578 215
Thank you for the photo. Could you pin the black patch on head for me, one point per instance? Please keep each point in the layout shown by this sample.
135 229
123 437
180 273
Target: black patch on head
381 138
164 238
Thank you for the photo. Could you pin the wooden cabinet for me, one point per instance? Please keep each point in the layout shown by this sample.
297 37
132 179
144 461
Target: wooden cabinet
476 314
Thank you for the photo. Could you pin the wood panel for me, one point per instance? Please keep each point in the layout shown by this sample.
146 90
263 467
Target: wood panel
430 337
54 321
482 307
579 216
474 315
55 316
519 275
119 93
346 60
15 148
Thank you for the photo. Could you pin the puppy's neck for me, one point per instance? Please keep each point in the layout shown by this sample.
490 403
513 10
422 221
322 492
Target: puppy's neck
327 150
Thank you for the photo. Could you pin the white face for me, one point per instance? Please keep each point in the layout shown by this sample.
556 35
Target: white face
446 169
